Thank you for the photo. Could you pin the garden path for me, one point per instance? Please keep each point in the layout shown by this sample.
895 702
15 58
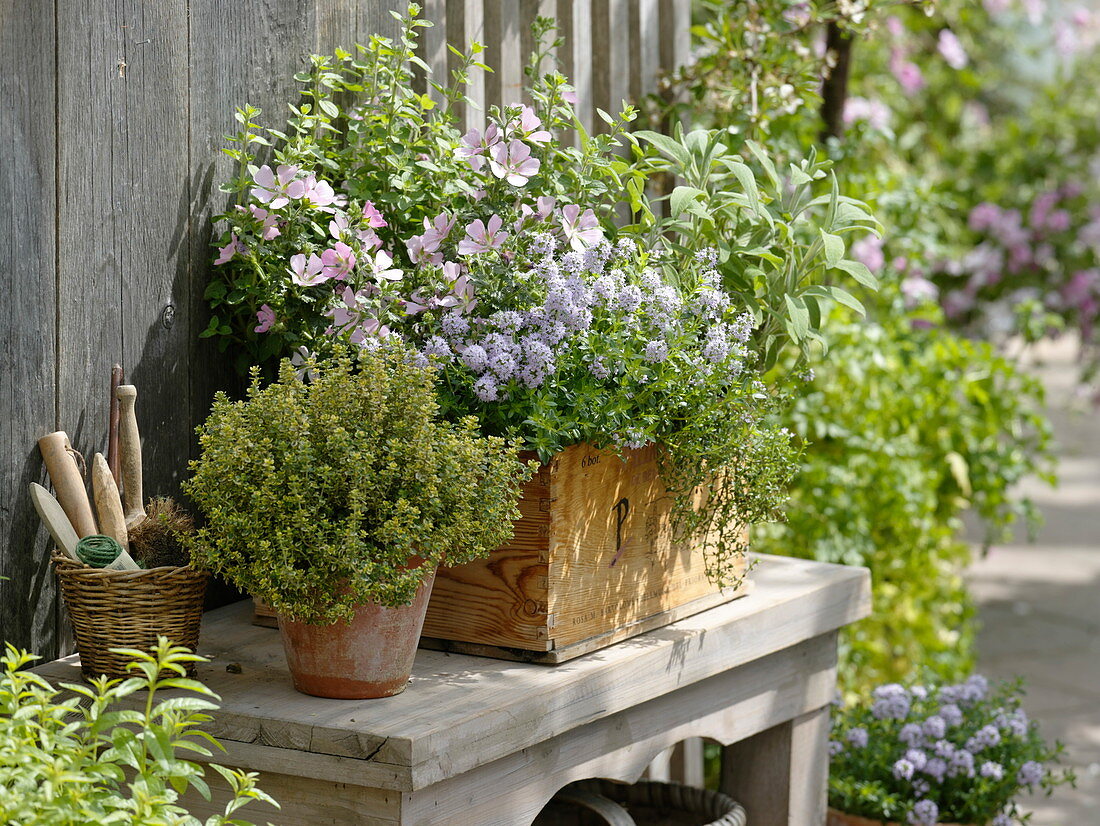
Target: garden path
1040 603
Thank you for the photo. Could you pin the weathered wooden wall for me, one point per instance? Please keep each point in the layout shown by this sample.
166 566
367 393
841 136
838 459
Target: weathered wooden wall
112 114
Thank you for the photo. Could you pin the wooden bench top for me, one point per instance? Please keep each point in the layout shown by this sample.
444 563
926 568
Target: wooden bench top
460 712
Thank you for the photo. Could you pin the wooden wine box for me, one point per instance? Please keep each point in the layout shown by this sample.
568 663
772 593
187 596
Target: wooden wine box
593 561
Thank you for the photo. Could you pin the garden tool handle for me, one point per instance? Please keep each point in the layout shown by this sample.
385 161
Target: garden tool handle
68 484
129 443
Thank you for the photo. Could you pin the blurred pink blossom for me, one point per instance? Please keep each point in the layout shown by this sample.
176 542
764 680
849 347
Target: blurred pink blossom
951 49
868 251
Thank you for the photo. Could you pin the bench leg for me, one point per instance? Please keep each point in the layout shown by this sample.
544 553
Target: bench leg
780 776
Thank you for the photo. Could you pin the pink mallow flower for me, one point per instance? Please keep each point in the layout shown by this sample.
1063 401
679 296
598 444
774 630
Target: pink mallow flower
513 162
338 261
529 126
544 205
481 237
475 144
951 50
372 217
306 273
320 194
581 229
226 253
277 188
269 227
381 267
266 317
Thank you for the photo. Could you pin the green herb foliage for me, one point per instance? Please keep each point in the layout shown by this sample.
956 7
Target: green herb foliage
75 754
322 490
907 428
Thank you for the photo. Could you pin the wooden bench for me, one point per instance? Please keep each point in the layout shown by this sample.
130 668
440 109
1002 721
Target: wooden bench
482 742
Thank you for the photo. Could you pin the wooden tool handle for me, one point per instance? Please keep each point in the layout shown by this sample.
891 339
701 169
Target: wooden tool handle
108 505
68 484
112 431
129 444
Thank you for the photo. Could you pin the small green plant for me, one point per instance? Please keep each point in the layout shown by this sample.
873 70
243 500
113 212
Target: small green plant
341 485
949 754
74 755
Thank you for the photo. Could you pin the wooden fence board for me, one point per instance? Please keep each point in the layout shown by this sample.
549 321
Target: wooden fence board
28 601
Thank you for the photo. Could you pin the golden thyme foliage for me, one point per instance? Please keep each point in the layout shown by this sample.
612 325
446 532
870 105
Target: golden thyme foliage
317 492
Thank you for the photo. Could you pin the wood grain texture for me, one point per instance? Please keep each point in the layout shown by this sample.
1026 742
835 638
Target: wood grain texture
29 608
302 802
592 561
781 774
501 600
461 712
112 521
67 478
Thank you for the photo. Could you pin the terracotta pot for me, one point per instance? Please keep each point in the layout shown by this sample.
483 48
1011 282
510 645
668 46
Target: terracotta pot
369 656
840 819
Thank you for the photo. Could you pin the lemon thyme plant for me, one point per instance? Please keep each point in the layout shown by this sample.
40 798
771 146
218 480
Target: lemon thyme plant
924 755
73 755
342 485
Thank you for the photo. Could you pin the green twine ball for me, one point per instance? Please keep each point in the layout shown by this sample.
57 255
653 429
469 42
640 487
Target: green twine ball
98 550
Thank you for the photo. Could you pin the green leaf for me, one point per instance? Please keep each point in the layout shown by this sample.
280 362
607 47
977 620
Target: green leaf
799 318
838 295
834 248
741 171
681 198
766 162
666 146
859 272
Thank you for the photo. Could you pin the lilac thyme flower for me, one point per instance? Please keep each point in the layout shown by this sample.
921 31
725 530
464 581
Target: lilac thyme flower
994 771
438 347
486 388
835 748
657 351
1003 819
951 714
1030 773
858 737
917 757
911 734
475 358
924 813
903 769
935 727
936 768
961 763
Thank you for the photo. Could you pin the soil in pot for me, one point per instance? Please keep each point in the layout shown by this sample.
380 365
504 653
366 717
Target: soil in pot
371 655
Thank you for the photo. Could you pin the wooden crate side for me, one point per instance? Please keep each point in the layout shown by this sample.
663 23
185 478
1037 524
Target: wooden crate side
612 558
501 600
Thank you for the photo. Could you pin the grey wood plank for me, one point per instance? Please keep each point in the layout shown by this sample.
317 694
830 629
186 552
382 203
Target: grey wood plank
465 25
611 58
28 599
240 53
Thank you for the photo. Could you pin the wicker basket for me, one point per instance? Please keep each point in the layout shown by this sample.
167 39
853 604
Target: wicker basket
646 803
128 609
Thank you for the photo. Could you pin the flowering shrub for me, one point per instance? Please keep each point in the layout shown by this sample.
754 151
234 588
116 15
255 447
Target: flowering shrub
78 757
320 489
939 754
368 181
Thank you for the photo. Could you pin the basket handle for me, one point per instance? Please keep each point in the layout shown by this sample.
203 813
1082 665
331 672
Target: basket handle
610 811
